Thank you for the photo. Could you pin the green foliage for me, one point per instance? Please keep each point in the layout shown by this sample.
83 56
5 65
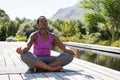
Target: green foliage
3 33
116 43
71 39
94 19
1 24
113 14
95 5
4 20
23 20
79 35
89 41
53 30
3 16
13 27
107 12
21 38
56 24
69 28
95 35
27 28
104 43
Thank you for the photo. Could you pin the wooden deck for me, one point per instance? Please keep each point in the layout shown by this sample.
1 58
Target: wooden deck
82 70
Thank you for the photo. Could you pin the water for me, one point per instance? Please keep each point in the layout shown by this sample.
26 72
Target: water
106 59
109 60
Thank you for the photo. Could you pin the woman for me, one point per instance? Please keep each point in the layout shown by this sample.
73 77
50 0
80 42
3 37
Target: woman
42 41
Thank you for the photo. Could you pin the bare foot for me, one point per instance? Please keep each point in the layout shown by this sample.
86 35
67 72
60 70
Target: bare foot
59 69
56 69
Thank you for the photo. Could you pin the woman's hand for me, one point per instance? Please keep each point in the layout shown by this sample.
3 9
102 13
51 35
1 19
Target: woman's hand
19 50
77 52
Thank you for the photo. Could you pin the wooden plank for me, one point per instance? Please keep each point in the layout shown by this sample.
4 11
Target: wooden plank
8 61
28 77
6 55
95 73
52 76
99 69
16 61
4 77
77 69
79 76
64 76
1 55
14 70
1 49
15 57
72 67
115 72
2 61
15 77
40 76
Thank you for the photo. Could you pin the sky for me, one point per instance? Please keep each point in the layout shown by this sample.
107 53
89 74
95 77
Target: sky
32 9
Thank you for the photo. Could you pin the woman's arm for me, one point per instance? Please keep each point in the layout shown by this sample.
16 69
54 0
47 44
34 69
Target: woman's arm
58 43
30 41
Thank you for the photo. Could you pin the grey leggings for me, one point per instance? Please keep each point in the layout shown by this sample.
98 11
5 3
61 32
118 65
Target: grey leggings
30 60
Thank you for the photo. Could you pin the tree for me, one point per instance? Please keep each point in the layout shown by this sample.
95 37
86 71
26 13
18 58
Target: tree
27 28
3 33
3 16
69 28
108 12
4 20
112 8
56 24
13 27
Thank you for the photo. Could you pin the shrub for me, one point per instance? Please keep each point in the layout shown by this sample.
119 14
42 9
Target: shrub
104 43
21 38
116 43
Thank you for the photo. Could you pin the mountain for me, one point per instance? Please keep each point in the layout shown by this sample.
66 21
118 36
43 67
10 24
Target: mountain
74 12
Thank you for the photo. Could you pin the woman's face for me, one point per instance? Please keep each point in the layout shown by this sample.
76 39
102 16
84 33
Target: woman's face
43 22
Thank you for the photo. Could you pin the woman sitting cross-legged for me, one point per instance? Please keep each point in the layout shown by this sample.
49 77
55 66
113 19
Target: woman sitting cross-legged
41 57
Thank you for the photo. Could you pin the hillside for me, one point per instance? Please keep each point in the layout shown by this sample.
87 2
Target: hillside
74 12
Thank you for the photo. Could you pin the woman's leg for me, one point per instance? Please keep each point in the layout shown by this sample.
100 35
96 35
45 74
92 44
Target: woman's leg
33 62
62 60
47 59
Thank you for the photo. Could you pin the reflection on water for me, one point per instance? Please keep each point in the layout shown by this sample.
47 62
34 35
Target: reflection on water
98 58
102 58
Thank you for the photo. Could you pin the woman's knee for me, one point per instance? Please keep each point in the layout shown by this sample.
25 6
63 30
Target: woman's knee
65 58
25 56
68 56
29 59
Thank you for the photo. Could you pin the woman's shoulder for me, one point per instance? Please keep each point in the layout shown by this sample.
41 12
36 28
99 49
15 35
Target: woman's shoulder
54 36
34 35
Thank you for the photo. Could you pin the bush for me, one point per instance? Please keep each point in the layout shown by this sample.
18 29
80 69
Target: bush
71 39
21 38
116 43
89 41
104 43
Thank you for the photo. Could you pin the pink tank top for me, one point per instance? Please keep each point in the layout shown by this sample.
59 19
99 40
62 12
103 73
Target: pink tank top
41 47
